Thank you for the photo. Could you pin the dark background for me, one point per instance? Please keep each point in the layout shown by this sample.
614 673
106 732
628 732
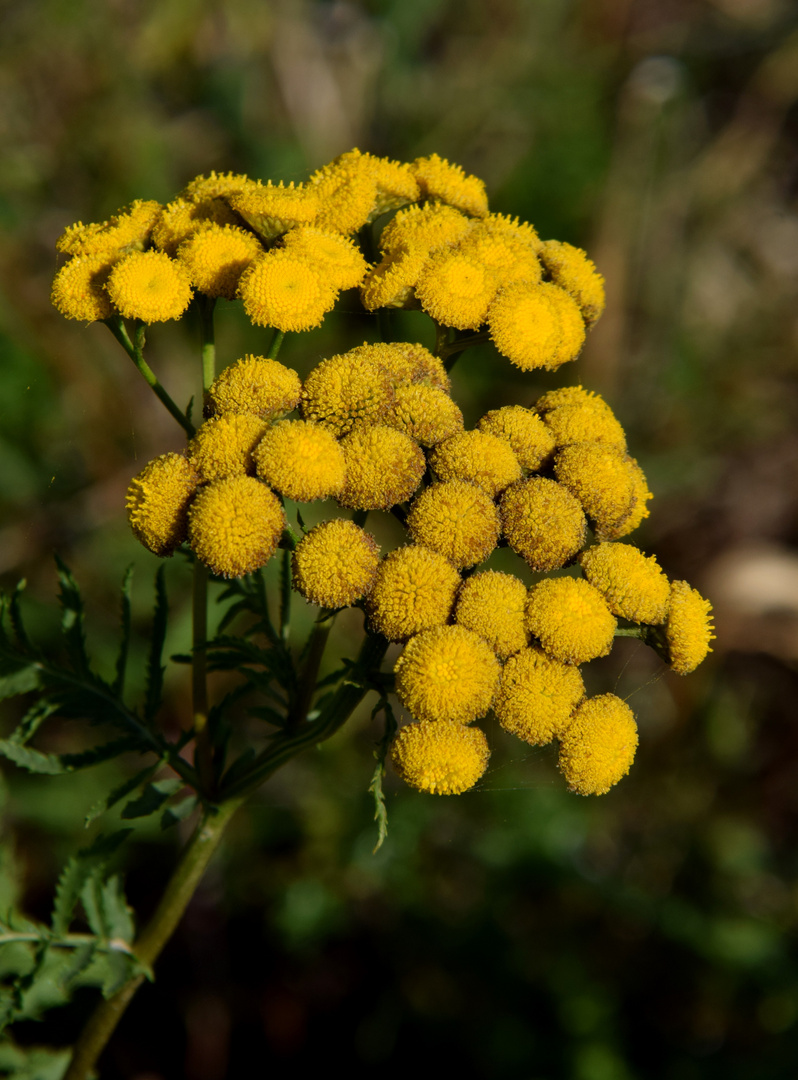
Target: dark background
516 931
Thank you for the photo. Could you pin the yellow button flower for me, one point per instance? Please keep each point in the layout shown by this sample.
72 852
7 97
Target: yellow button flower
440 180
457 519
79 288
543 523
180 218
345 388
334 565
585 418
347 193
634 587
507 256
256 385
529 437
492 604
340 258
478 456
570 268
127 230
425 413
599 744
287 291
223 445
272 209
301 460
391 283
536 326
605 481
424 228
414 590
688 630
447 673
406 362
455 289
150 286
440 758
216 256
215 186
234 525
571 619
537 696
157 503
383 467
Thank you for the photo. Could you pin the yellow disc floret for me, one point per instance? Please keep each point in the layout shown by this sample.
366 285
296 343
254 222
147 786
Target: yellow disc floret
301 460
599 744
223 445
634 587
214 186
447 673
580 417
347 193
272 209
334 565
347 388
234 525
391 283
79 288
478 456
424 228
216 256
179 219
254 385
406 362
440 758
688 630
604 480
457 519
537 696
536 326
341 258
149 286
543 523
383 467
571 619
414 590
529 437
157 502
426 413
492 605
286 290
570 268
455 289
440 180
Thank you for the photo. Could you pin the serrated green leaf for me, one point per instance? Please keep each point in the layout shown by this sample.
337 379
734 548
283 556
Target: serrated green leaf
380 809
72 613
120 792
120 968
32 760
75 874
78 961
124 641
106 909
32 721
17 677
151 799
178 812
155 668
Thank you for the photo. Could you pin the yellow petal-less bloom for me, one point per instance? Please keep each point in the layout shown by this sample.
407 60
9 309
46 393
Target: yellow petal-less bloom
347 193
455 289
688 630
570 268
127 230
571 619
216 256
447 673
424 228
414 590
223 445
396 185
341 258
599 744
301 460
347 388
456 519
287 291
492 604
150 286
383 467
391 283
79 288
507 257
391 184
215 186
640 508
157 503
256 385
568 395
272 209
529 437
520 234
580 416
478 456
604 480
178 220
406 362
537 696
440 180
632 583
425 413
334 565
536 326
440 758
234 525
543 523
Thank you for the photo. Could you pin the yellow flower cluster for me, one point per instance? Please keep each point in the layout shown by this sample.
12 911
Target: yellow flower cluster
376 429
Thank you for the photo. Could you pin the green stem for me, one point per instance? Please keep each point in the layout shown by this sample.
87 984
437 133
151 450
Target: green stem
203 755
206 305
135 352
274 348
151 941
309 674
451 352
631 631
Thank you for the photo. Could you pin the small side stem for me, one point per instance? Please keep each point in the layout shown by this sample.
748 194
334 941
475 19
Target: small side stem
630 631
274 348
203 756
206 306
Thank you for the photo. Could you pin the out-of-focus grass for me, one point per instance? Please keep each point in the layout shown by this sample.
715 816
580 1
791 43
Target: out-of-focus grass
517 931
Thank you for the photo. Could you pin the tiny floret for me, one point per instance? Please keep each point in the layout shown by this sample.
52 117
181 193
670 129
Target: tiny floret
457 519
414 590
447 673
255 385
383 467
688 630
571 619
543 523
301 460
632 583
157 502
234 525
599 744
478 456
492 605
537 695
334 565
440 758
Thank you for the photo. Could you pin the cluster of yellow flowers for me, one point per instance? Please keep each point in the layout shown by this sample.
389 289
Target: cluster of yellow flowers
376 429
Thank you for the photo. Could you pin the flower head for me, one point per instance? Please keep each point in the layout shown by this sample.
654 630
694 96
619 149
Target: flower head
414 590
272 209
529 437
334 565
406 362
457 519
215 186
340 257
606 483
254 385
439 180
157 502
574 415
346 388
383 467
543 523
536 326
178 220
455 289
570 268
150 286
347 193
537 696
571 619
127 230
391 283
79 288
216 256
598 747
424 412
286 290
632 584
301 460
478 456
223 445
424 228
688 630
234 525
492 605
447 673
440 758
505 255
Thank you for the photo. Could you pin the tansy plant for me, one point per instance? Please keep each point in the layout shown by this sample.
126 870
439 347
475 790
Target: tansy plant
374 429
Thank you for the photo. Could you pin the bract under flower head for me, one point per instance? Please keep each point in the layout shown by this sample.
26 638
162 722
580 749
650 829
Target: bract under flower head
570 268
178 220
287 291
571 619
234 525
157 502
632 584
414 590
272 209
604 480
529 437
79 288
301 460
543 523
478 456
347 388
425 413
599 744
440 180
334 565
536 326
537 696
149 286
383 467
447 673
457 519
256 385
688 630
441 758
216 256
492 605
223 445
339 257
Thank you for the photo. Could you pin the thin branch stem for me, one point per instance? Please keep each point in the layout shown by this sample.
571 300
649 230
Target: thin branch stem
631 631
309 673
206 305
274 348
203 756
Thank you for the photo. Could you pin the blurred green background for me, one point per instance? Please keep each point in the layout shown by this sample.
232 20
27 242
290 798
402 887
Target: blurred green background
515 931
